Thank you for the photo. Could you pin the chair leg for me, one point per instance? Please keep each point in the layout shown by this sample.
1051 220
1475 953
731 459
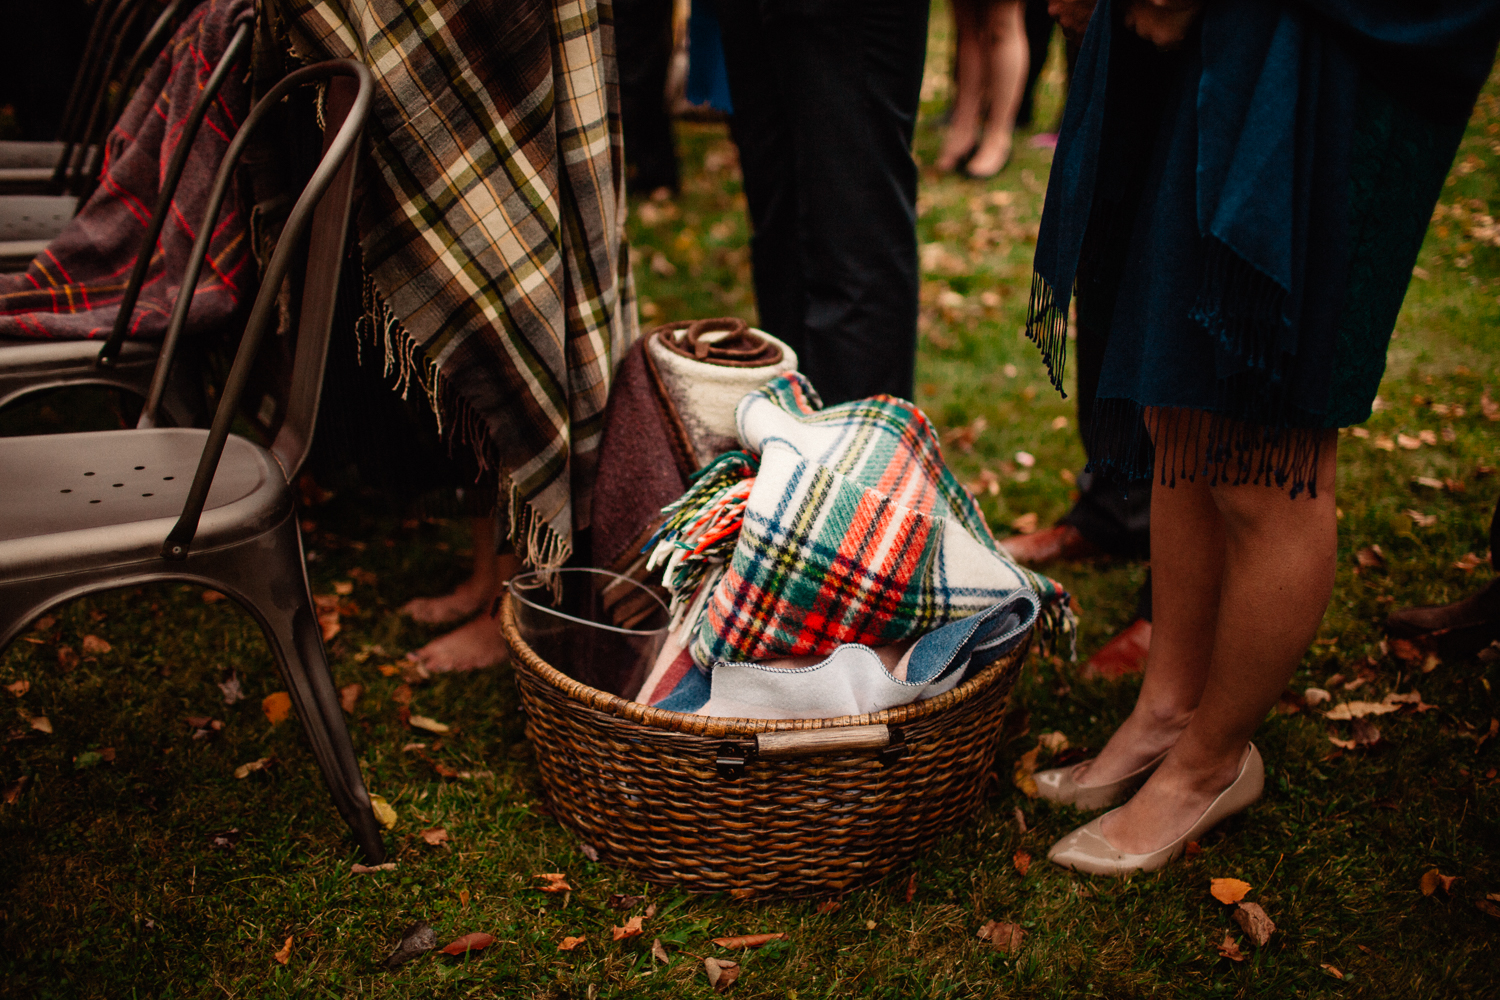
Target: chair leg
273 581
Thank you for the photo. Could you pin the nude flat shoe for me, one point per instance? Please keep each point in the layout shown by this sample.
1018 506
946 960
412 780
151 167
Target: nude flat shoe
1059 785
1086 849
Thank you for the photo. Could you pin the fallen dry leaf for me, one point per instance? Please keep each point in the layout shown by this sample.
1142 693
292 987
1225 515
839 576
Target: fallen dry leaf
41 724
1002 935
19 688
1383 442
632 929
44 623
658 952
1230 950
1020 820
383 811
277 705
403 694
385 866
721 973
1025 459
364 576
1358 710
749 940
1228 890
1488 406
1468 562
477 941
1025 524
1408 442
1053 743
1254 922
1490 905
1420 519
435 836
556 882
418 939
95 646
344 588
827 906
285 954
249 768
212 597
13 793
1405 650
911 887
1315 696
67 659
1025 768
1428 437
388 670
1429 482
589 851
1022 861
570 942
966 435
621 901
349 696
430 725
1434 880
1192 849
1370 557
231 690
1335 973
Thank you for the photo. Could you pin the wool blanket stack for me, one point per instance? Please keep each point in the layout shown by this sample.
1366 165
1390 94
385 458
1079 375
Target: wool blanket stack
73 290
834 526
493 230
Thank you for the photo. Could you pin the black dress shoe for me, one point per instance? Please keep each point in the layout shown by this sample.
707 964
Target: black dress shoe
1461 627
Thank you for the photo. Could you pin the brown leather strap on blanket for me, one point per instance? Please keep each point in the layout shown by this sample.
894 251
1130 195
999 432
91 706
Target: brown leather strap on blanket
736 346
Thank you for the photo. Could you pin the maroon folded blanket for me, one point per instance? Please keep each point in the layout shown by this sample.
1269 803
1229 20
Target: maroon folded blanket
72 291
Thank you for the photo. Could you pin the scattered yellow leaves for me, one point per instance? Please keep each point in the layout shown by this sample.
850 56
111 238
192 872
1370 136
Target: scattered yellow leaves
383 811
1315 696
94 646
1434 880
632 929
349 696
721 973
1230 950
1026 524
570 942
277 705
1228 890
344 587
1254 922
285 954
359 869
436 836
1025 768
1002 935
1359 709
1022 861
41 724
212 597
749 940
249 768
556 882
1335 973
19 688
431 725
1053 743
476 941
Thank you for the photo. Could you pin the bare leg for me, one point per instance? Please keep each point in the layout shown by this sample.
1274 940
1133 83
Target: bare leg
479 643
474 593
1187 564
1009 58
963 122
1278 566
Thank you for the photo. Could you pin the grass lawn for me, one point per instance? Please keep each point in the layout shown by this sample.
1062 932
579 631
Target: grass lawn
135 863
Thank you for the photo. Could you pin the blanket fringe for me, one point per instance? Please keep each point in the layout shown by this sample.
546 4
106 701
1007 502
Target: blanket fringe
1241 307
698 538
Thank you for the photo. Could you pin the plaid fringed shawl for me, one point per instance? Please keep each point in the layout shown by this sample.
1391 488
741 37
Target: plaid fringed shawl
493 228
848 529
73 290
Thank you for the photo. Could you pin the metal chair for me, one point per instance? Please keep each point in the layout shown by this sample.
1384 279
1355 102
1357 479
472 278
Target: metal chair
28 367
40 198
93 511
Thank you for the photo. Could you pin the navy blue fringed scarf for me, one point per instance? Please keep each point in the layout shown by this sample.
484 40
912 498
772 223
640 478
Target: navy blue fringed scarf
1267 151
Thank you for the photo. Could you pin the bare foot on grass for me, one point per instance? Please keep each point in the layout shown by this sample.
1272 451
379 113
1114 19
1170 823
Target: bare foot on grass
473 646
467 599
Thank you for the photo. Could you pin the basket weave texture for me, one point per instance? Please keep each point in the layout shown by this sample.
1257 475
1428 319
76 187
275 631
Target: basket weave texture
642 787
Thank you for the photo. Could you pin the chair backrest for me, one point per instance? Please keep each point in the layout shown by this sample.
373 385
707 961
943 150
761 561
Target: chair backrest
323 208
237 46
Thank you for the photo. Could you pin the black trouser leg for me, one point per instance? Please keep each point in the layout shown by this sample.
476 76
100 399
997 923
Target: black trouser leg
643 46
1038 40
825 103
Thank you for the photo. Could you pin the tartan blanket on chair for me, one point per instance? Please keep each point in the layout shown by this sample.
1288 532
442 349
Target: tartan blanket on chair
493 229
849 528
72 291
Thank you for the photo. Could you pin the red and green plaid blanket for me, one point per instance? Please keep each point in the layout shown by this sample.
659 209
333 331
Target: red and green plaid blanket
73 290
493 228
848 528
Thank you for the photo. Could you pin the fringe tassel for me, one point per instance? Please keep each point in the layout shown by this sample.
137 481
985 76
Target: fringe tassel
698 537
1228 451
1047 327
1241 307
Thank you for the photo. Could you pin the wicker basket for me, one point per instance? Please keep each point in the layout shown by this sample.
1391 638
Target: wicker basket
760 807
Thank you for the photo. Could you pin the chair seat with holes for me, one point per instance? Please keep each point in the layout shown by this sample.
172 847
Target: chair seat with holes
118 494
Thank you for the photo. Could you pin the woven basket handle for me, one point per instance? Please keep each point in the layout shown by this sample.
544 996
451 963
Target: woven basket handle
791 744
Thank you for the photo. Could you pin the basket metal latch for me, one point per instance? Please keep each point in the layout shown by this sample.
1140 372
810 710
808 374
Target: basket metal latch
733 756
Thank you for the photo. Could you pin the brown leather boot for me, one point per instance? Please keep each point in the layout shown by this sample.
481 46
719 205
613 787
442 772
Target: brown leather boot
1459 628
1059 543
